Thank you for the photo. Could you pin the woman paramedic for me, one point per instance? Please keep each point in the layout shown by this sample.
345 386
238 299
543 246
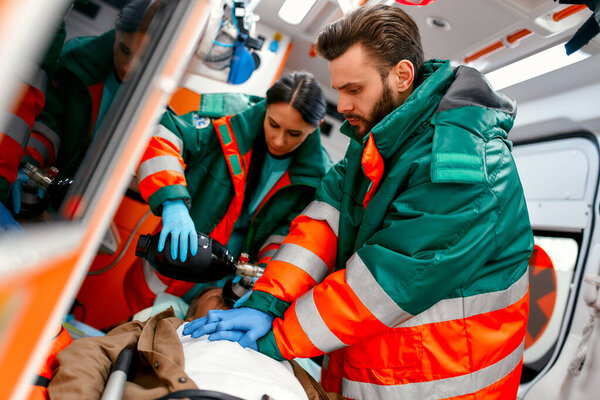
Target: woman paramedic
89 74
239 169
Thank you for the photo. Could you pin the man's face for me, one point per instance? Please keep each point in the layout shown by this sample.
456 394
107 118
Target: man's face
364 98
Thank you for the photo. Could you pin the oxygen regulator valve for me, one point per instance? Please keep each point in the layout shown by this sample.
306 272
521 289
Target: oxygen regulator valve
41 189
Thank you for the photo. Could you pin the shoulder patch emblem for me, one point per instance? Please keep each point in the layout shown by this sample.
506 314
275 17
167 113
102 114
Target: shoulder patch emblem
201 122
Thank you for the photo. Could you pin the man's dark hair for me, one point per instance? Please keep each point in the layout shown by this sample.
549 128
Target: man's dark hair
302 91
387 33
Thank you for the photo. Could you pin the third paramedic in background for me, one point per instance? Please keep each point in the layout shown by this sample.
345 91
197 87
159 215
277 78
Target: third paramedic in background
409 269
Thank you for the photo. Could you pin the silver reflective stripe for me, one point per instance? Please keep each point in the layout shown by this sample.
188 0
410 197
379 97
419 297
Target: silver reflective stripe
302 258
273 239
157 164
451 309
321 211
152 280
313 325
268 253
325 361
40 147
15 127
48 133
162 132
438 389
371 294
38 80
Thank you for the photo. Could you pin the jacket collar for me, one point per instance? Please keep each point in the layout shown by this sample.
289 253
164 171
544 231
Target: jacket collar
309 162
393 131
91 59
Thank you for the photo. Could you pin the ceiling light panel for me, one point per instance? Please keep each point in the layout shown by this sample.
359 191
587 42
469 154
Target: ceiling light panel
294 11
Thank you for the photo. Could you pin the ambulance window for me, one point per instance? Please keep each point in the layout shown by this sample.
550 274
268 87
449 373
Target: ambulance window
551 268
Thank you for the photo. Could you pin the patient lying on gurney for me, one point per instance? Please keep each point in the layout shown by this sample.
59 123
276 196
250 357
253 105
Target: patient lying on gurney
168 362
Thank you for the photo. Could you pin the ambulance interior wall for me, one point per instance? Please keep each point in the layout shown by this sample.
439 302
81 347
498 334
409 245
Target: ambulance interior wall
80 24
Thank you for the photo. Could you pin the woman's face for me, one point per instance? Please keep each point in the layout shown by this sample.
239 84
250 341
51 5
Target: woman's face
285 129
126 48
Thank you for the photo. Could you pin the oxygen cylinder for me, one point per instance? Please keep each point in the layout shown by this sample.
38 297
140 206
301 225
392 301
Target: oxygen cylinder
211 263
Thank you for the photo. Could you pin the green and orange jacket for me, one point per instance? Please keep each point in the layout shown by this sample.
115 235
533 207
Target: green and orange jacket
62 133
410 267
20 120
203 158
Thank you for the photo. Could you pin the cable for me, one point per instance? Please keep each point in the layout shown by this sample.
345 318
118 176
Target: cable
116 260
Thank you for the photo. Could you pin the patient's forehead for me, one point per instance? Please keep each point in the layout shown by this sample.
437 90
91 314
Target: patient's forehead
211 299
211 293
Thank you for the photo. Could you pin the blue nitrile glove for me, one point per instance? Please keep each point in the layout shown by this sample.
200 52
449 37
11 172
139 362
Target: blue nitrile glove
240 302
177 222
242 325
15 190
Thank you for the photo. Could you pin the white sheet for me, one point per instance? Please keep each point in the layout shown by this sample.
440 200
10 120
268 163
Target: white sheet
226 367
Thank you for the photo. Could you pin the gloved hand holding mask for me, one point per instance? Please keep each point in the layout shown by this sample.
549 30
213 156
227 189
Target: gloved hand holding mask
177 222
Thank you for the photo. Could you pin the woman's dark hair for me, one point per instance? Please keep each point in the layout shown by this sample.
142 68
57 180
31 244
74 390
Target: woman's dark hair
386 32
302 91
136 15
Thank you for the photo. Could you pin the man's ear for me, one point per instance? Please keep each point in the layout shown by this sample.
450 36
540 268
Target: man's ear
403 76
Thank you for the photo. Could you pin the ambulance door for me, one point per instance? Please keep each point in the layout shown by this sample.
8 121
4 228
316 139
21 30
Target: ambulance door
560 181
43 264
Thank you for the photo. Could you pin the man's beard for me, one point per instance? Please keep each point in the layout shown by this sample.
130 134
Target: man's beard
384 106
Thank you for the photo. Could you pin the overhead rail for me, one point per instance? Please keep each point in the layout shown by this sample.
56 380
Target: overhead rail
510 40
513 38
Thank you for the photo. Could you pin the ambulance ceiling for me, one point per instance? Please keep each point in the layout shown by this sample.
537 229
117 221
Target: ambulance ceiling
450 29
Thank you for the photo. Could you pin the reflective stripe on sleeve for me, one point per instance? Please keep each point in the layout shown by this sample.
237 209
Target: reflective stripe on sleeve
369 292
464 307
162 132
313 325
48 133
321 211
273 239
158 164
152 280
38 80
268 253
15 128
302 258
438 389
40 147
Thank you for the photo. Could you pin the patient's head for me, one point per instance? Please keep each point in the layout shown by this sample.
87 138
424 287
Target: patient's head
209 298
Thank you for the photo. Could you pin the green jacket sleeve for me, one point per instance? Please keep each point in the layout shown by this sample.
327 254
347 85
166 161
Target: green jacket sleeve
50 123
329 192
438 241
176 142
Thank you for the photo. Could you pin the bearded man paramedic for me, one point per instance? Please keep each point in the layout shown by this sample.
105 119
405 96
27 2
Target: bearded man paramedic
409 269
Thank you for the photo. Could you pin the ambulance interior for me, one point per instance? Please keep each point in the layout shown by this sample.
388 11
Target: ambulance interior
70 254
